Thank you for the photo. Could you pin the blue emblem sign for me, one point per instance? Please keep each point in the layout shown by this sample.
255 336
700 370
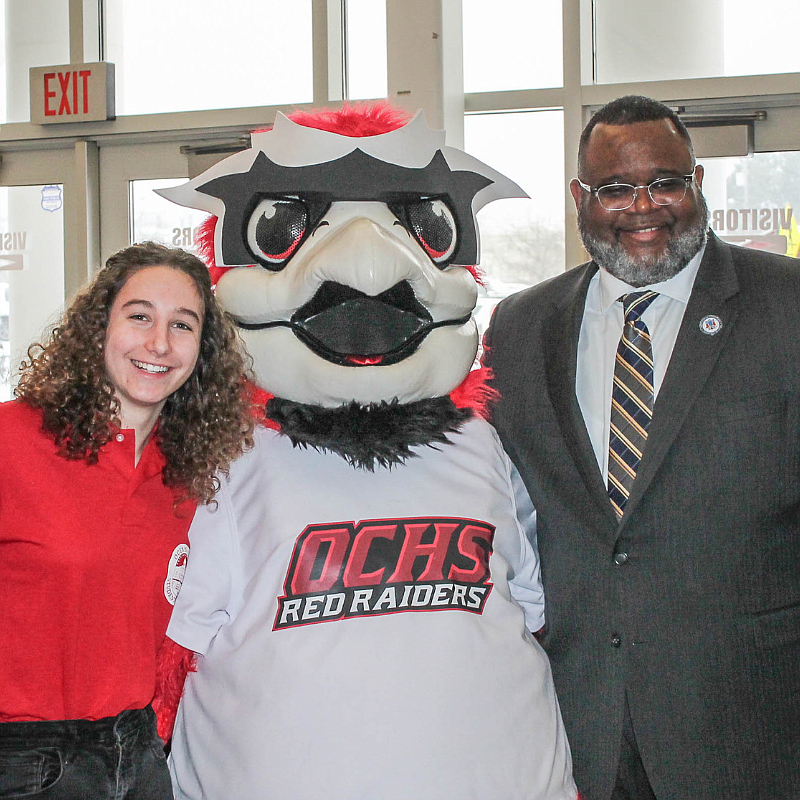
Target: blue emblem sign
51 198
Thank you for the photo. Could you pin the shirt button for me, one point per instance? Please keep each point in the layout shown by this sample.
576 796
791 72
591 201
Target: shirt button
620 559
616 641
120 437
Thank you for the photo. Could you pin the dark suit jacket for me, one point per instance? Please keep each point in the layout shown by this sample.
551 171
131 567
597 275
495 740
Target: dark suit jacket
699 620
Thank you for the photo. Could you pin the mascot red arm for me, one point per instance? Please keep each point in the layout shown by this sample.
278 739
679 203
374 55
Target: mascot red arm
362 596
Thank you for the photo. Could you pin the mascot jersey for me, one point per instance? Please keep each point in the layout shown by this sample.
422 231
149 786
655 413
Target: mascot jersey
364 634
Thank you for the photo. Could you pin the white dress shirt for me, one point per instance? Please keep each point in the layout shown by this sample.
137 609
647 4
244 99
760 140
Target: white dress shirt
603 319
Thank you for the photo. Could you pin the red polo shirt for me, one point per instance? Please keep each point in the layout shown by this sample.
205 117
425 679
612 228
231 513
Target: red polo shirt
91 557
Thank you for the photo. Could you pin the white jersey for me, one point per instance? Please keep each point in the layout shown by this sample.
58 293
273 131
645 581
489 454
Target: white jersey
364 635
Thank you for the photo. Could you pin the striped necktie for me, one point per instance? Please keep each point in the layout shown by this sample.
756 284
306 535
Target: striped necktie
631 399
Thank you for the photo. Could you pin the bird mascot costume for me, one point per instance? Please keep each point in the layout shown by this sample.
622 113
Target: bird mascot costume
362 595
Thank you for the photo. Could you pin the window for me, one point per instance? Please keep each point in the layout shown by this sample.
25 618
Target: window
760 40
637 41
522 241
512 44
366 49
35 34
204 54
754 201
153 218
31 271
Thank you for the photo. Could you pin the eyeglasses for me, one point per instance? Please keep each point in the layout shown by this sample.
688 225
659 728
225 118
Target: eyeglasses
619 196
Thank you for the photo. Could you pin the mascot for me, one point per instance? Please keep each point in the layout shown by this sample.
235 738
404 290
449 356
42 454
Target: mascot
361 598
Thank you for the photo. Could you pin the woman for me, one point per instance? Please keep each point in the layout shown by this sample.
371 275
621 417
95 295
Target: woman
120 423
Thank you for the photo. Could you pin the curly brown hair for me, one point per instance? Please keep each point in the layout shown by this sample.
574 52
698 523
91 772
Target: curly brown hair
202 427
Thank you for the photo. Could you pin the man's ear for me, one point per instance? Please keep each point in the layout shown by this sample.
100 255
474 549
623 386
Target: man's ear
698 175
577 193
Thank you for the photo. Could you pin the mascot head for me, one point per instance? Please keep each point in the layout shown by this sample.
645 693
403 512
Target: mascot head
351 246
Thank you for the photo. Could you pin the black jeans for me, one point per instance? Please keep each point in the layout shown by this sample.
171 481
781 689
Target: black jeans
116 758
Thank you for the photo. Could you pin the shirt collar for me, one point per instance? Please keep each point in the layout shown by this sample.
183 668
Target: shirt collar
678 287
121 449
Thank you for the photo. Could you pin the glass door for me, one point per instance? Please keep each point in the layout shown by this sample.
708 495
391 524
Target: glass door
754 200
32 214
132 211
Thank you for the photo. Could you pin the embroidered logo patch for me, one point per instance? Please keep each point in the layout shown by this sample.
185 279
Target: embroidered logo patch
367 569
175 572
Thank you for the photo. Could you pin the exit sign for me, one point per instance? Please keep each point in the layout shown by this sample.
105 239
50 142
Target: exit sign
72 93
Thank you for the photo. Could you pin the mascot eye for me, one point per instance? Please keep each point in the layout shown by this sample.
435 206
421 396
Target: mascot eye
275 230
433 224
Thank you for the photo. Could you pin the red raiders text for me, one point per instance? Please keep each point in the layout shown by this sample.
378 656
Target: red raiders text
346 569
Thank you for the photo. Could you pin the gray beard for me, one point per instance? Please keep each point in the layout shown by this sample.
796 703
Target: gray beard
613 259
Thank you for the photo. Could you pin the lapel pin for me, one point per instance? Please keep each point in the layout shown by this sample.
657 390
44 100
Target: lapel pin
711 325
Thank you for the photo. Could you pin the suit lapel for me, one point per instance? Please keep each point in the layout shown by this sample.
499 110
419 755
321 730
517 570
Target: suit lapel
715 294
560 346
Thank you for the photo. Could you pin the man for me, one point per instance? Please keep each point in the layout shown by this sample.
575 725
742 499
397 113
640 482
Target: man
668 519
